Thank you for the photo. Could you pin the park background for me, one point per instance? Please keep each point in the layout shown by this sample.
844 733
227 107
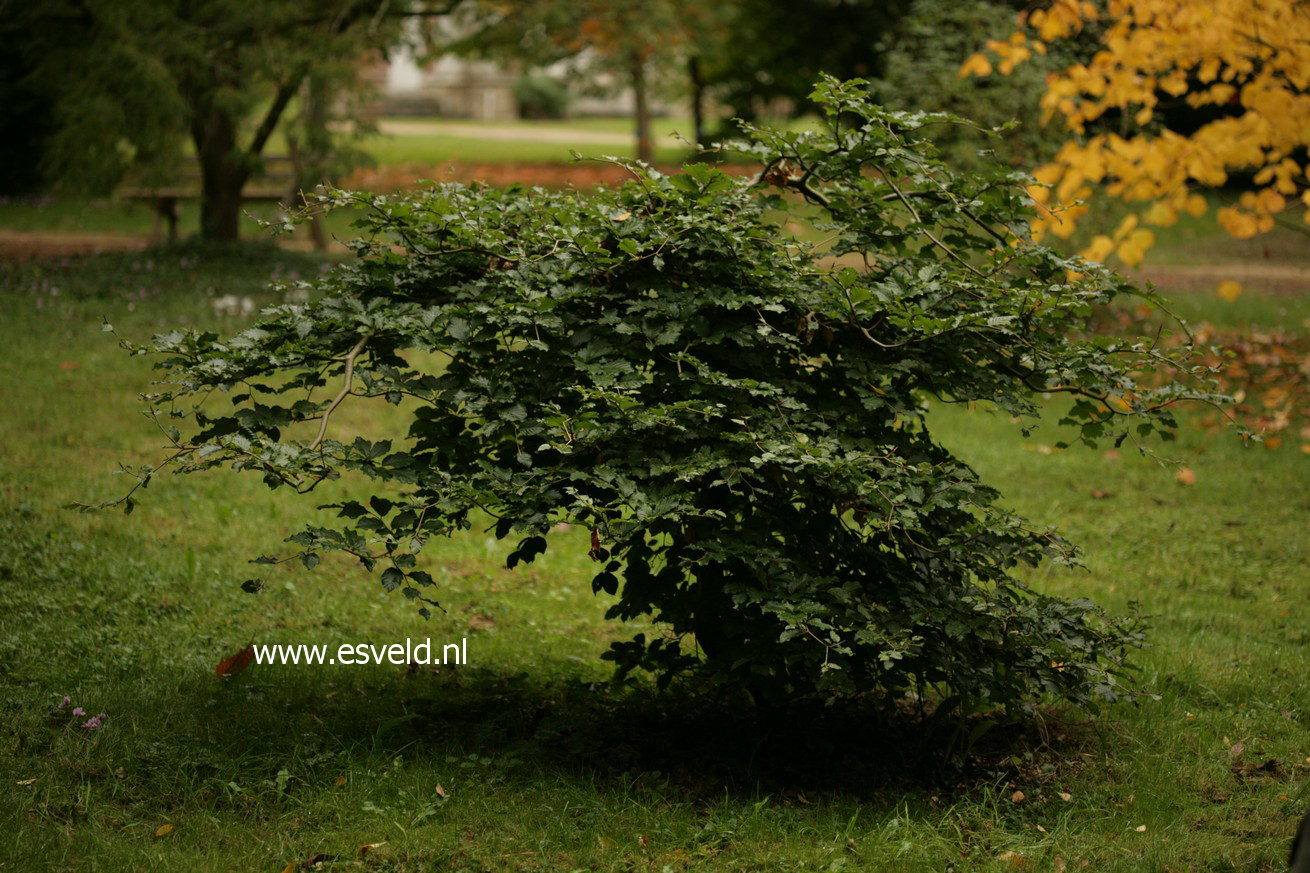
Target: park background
527 759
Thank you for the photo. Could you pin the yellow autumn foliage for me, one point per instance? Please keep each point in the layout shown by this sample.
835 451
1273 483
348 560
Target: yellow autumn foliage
1251 58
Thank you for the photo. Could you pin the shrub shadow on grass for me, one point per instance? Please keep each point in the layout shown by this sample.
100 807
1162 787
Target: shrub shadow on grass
700 747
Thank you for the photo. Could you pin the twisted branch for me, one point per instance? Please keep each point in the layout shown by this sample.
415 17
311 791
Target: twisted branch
347 383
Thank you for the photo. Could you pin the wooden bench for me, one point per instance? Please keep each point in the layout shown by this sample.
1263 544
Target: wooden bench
275 184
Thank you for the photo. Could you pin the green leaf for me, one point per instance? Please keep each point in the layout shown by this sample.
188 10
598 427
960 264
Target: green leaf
392 578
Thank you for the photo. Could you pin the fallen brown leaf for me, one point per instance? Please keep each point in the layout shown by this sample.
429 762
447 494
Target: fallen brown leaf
235 664
368 847
1101 495
481 622
341 781
163 830
441 792
1017 797
1185 476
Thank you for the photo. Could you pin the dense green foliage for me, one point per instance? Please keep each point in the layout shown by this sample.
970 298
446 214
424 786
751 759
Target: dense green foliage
768 54
737 415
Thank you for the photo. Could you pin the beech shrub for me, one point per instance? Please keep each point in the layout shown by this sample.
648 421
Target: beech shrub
729 383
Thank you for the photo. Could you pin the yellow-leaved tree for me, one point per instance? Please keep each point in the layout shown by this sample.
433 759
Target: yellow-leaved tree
1242 66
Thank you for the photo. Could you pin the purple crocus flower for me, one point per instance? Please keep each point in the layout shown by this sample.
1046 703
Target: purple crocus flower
94 722
67 700
78 712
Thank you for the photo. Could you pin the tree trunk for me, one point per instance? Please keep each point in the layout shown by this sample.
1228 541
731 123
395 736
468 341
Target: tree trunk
696 75
223 174
310 163
642 110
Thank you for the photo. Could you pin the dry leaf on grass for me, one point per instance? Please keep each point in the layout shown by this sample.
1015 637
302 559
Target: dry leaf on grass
236 663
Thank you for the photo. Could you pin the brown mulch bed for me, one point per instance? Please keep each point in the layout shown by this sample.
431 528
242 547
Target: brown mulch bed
582 174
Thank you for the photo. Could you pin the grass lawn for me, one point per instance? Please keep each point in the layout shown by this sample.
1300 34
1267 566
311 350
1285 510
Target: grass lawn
541 765
521 141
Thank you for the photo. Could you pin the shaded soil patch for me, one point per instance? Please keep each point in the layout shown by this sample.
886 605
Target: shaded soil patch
26 245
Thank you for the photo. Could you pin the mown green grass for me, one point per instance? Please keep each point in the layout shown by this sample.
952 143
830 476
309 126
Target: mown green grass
545 766
436 149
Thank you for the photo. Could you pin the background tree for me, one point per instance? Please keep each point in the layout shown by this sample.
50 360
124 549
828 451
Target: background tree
640 44
133 80
774 51
26 116
920 72
1240 73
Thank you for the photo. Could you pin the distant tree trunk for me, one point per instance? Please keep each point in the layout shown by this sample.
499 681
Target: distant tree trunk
310 163
223 174
224 166
645 152
697 77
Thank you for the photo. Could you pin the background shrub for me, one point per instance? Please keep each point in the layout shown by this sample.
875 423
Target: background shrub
541 97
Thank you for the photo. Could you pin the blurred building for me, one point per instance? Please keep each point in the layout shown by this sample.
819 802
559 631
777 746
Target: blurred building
456 87
451 87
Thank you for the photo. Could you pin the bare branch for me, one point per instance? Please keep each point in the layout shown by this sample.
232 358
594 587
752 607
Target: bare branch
347 383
